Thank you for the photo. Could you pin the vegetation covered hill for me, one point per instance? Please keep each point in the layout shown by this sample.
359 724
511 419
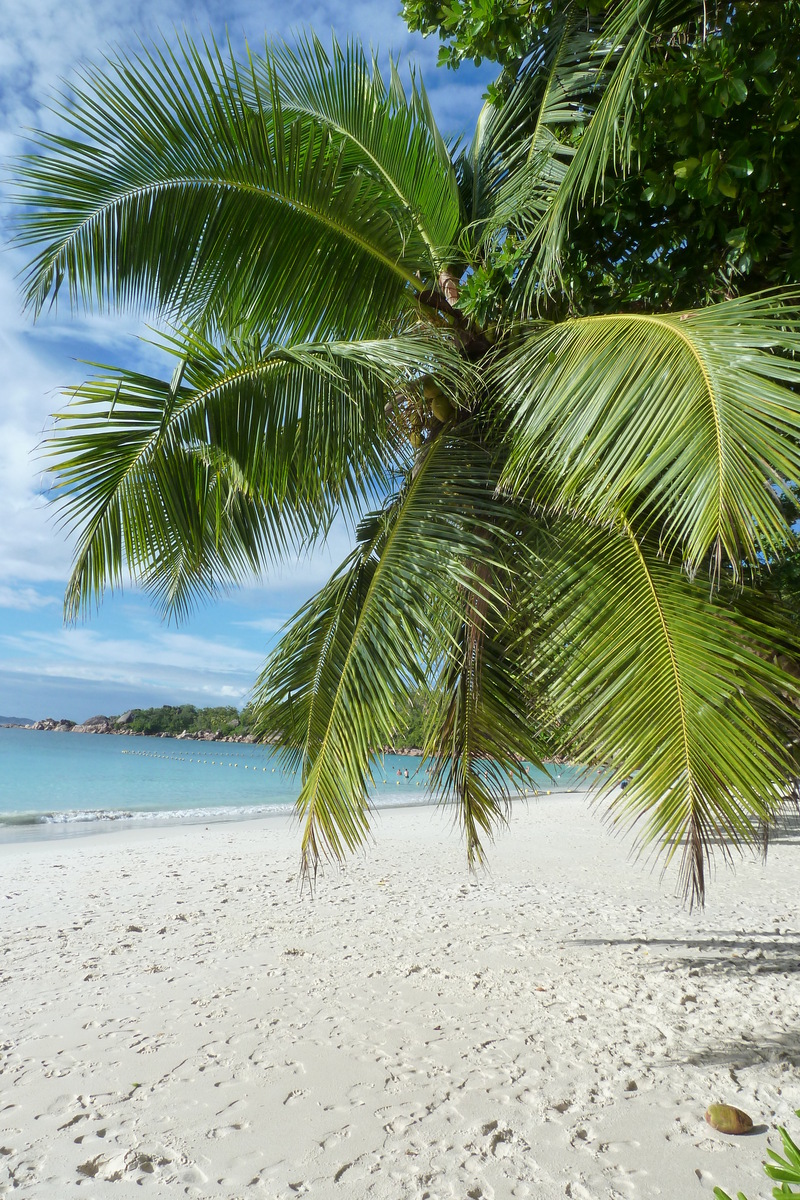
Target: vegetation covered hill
174 719
177 718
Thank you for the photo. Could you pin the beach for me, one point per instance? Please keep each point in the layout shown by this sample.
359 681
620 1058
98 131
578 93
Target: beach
177 1014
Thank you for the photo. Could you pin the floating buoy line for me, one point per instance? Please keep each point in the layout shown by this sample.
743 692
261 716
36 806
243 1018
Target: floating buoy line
255 767
198 761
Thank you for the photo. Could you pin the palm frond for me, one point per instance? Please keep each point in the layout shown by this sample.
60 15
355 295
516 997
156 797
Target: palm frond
680 695
687 419
388 136
521 152
185 187
480 719
631 31
332 693
241 458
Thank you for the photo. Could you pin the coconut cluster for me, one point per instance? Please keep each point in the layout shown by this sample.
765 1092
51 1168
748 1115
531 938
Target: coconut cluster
420 411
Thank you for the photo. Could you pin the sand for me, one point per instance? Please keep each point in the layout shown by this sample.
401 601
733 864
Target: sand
176 1015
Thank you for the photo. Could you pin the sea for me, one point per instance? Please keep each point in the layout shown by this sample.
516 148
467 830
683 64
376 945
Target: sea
62 784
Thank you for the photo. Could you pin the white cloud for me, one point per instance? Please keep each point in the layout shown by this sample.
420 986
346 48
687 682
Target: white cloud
24 598
264 624
163 660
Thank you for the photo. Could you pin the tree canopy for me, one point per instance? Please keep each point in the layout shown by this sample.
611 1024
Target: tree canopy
699 198
562 492
179 718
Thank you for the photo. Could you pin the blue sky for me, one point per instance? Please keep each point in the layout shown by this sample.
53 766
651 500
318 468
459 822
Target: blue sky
124 655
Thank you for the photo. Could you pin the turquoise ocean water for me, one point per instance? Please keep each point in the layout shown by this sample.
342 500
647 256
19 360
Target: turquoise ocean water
58 783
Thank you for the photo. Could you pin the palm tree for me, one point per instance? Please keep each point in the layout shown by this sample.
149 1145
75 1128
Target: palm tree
558 517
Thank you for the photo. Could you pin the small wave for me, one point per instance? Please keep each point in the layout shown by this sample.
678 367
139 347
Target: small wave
175 816
26 818
165 816
172 816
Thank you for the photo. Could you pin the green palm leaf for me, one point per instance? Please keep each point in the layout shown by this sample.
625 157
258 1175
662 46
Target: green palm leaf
390 138
243 457
683 419
182 188
295 219
629 35
482 725
680 694
520 156
333 692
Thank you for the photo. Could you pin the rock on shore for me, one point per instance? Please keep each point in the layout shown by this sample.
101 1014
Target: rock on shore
121 725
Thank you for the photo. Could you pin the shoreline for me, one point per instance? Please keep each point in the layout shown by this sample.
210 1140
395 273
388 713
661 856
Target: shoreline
51 788
45 827
110 727
177 1013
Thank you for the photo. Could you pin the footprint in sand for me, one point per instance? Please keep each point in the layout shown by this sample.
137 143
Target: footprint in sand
224 1131
91 1167
576 1191
616 1147
500 1139
74 1121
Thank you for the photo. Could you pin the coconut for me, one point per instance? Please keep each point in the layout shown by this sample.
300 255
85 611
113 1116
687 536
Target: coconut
728 1119
415 437
430 388
441 407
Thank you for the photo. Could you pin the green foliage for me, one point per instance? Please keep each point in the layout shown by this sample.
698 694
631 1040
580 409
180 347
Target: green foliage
570 508
784 1168
650 636
691 187
498 30
782 580
174 719
475 30
587 399
412 722
711 206
490 280
255 431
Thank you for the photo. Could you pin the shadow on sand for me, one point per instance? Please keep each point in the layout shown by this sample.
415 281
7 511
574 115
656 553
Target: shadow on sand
750 1050
741 953
752 953
787 828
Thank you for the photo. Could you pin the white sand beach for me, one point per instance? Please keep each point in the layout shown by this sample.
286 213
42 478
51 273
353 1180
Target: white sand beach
176 1015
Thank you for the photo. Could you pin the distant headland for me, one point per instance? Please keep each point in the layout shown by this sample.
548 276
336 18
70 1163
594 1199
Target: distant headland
219 724
184 722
